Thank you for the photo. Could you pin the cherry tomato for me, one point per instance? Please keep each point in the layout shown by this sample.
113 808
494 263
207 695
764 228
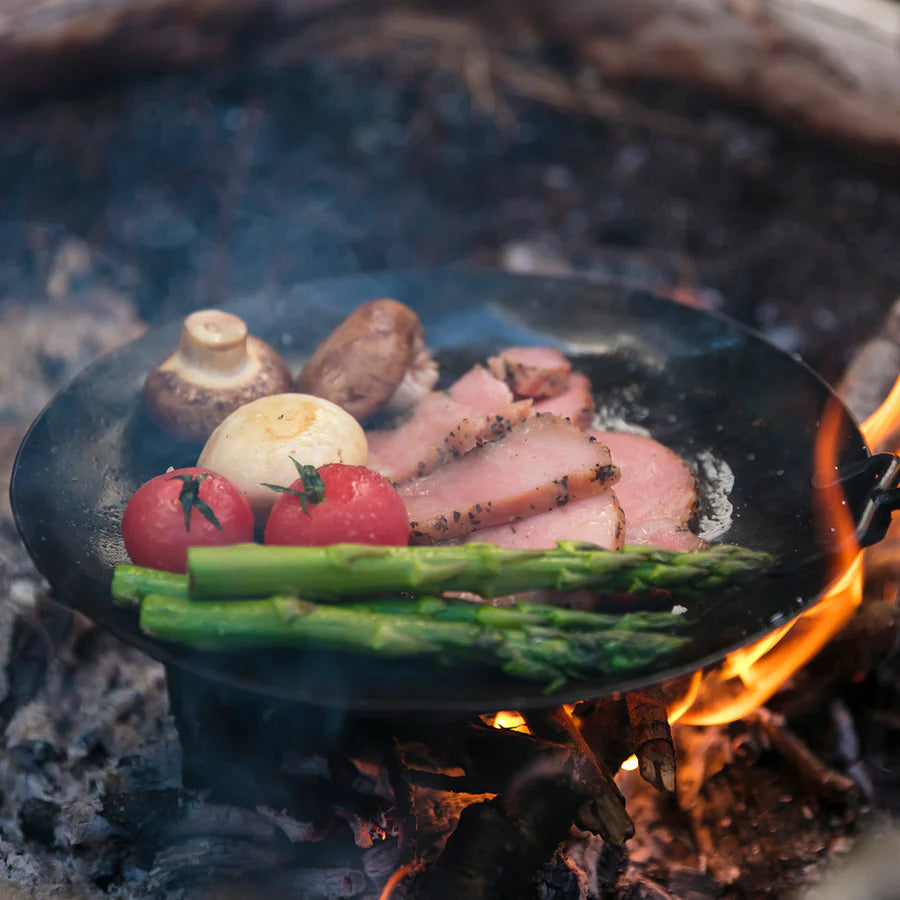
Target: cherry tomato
180 509
354 504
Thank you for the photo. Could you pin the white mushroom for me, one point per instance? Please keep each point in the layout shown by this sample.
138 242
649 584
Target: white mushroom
216 368
255 445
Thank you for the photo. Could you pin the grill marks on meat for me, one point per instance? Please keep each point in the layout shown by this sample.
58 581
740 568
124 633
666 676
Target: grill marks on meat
532 371
475 409
657 490
599 520
575 403
543 463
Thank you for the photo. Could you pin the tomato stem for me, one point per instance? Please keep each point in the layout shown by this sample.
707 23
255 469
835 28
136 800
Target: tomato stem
189 498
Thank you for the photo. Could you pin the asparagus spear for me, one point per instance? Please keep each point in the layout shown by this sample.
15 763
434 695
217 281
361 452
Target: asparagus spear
516 615
252 570
527 650
131 584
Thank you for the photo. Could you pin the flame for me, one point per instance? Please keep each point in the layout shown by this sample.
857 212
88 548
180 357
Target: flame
508 718
750 676
396 878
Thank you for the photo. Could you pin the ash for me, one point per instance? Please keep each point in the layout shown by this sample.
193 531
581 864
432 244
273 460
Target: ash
82 716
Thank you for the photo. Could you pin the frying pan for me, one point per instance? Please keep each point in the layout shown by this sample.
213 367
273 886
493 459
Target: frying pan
726 400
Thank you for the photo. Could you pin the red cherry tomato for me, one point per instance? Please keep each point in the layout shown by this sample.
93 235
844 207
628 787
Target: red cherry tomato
154 527
359 506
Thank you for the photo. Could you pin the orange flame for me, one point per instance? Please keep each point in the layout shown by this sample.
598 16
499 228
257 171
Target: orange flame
396 878
750 676
507 718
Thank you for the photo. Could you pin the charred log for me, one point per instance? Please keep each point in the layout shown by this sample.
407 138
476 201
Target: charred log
604 812
495 850
652 737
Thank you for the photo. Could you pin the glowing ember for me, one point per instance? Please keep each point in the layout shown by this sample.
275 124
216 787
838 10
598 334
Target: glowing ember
630 764
509 719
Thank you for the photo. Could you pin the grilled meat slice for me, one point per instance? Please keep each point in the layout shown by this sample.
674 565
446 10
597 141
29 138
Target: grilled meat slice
532 371
542 463
597 519
657 490
575 403
435 430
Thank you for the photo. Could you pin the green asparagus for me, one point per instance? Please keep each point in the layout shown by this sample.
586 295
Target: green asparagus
252 570
520 648
131 584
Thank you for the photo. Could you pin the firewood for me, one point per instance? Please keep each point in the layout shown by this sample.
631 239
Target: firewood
829 68
604 813
605 726
652 737
495 851
819 777
872 371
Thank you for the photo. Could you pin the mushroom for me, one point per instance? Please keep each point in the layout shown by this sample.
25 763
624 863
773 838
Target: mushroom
375 359
258 443
216 368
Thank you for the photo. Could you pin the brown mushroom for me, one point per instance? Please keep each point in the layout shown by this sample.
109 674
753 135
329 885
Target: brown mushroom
375 359
216 368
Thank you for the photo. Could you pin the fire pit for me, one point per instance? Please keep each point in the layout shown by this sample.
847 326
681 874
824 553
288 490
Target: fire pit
249 734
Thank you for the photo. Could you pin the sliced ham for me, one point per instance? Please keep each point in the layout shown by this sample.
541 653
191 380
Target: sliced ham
532 371
417 445
598 519
477 430
542 463
576 403
657 490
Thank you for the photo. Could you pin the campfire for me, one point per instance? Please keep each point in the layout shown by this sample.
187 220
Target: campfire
559 802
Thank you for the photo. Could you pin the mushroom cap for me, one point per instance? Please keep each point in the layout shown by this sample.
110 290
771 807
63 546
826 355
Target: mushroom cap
255 444
216 368
364 360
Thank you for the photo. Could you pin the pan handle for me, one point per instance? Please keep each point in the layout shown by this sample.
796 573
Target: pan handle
882 497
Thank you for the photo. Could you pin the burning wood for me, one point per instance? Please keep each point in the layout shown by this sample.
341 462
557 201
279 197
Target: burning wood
651 737
604 813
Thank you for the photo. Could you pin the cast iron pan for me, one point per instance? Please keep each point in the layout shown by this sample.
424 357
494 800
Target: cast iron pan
717 394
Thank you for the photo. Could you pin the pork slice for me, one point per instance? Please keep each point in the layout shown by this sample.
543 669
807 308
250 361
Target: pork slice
418 444
598 520
532 371
541 463
575 403
657 490
474 431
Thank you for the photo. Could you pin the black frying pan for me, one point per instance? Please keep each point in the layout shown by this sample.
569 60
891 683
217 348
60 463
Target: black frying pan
714 392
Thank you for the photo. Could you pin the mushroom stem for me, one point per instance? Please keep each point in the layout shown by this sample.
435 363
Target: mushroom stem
214 341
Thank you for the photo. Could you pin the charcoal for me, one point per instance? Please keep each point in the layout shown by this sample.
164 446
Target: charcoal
143 814
30 756
210 819
559 879
82 825
204 859
293 829
381 862
323 884
37 819
157 766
